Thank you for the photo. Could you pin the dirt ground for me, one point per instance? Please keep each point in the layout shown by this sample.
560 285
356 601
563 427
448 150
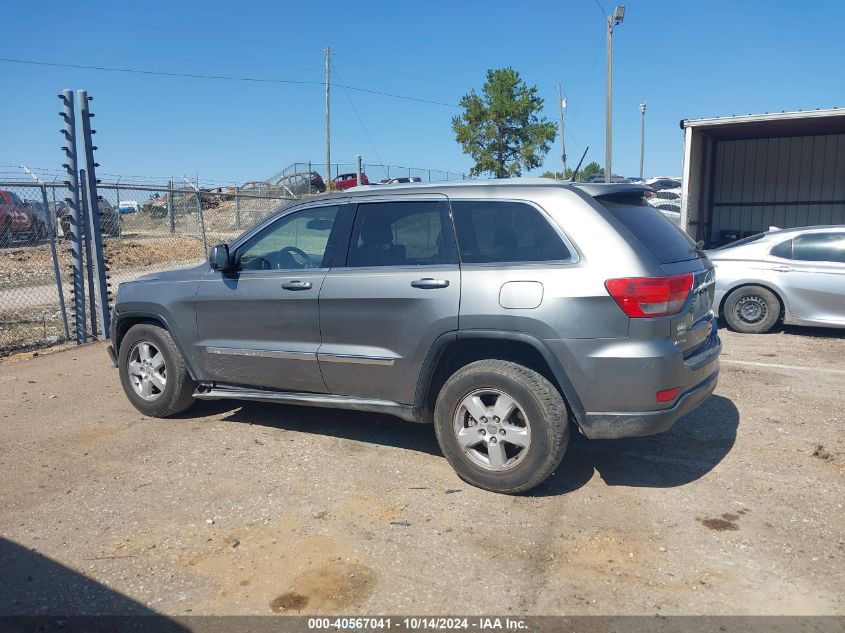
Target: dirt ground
255 509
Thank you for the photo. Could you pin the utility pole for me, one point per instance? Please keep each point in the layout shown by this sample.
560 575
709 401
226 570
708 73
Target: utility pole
612 21
328 120
642 135
562 104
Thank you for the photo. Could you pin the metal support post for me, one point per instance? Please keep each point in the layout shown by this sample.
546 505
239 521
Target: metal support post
89 269
237 207
98 283
170 219
75 214
199 214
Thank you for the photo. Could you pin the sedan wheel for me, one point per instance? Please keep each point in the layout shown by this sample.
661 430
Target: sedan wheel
752 309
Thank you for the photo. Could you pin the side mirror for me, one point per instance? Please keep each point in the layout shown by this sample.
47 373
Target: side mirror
218 257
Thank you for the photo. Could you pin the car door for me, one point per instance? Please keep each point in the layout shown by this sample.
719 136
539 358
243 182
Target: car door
258 324
397 291
810 269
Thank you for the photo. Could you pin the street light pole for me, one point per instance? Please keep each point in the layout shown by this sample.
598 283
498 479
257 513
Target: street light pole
562 103
642 135
328 120
612 21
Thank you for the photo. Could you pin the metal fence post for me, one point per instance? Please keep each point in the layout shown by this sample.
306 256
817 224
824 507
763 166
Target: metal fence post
237 207
199 214
94 248
358 170
75 236
170 218
51 230
89 269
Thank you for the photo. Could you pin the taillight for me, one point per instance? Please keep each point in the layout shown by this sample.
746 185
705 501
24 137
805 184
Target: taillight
643 297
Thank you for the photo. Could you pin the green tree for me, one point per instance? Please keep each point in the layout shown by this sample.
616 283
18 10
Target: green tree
557 175
501 129
589 170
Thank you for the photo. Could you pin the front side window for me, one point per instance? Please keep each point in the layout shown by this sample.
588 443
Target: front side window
491 232
414 233
819 247
295 241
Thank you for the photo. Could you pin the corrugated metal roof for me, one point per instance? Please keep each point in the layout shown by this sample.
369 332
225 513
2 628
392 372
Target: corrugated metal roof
762 118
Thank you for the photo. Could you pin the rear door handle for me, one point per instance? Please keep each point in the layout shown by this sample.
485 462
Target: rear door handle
782 269
429 283
297 285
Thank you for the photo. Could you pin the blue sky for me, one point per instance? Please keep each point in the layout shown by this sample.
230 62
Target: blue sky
687 59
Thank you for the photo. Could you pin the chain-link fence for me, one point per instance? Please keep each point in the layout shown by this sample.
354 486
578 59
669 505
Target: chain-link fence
145 228
303 178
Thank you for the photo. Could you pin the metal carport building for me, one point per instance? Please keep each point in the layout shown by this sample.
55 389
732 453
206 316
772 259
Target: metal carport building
743 174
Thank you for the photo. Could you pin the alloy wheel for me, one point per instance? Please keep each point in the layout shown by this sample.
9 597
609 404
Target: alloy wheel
147 370
492 429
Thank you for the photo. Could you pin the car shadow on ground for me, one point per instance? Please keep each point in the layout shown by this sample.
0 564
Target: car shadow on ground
684 453
38 593
794 330
689 450
359 426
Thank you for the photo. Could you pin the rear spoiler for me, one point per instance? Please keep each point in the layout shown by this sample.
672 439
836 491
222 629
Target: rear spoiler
603 190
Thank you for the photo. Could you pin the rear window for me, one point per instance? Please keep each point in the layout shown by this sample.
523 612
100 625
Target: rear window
666 241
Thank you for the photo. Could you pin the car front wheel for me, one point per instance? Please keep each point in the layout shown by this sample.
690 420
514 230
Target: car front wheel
752 310
153 373
502 427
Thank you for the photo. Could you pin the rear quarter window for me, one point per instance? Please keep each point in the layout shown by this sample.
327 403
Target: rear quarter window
500 231
667 242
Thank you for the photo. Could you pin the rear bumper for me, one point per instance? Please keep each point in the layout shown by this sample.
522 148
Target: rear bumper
611 425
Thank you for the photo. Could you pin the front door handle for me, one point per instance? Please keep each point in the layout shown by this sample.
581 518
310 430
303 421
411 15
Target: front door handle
782 269
429 283
297 285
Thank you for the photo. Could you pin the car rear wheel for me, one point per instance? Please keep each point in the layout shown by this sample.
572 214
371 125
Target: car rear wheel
153 373
752 310
502 427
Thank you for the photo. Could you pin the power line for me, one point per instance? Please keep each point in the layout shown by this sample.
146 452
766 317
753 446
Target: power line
162 73
363 127
601 8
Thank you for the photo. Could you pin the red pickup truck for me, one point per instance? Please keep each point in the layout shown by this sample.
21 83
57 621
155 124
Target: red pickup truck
18 222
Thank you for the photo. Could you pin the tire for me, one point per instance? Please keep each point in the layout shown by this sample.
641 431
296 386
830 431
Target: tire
6 238
540 416
177 394
752 310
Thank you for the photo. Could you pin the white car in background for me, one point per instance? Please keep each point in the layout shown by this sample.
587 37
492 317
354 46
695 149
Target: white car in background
668 202
792 275
658 183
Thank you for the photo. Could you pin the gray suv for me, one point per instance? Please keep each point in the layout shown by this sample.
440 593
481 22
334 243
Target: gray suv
504 312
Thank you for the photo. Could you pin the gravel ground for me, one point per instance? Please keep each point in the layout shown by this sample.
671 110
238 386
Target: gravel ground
254 509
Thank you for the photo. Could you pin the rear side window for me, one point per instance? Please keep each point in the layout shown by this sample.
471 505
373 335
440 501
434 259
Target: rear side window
666 241
819 247
413 233
784 249
492 232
